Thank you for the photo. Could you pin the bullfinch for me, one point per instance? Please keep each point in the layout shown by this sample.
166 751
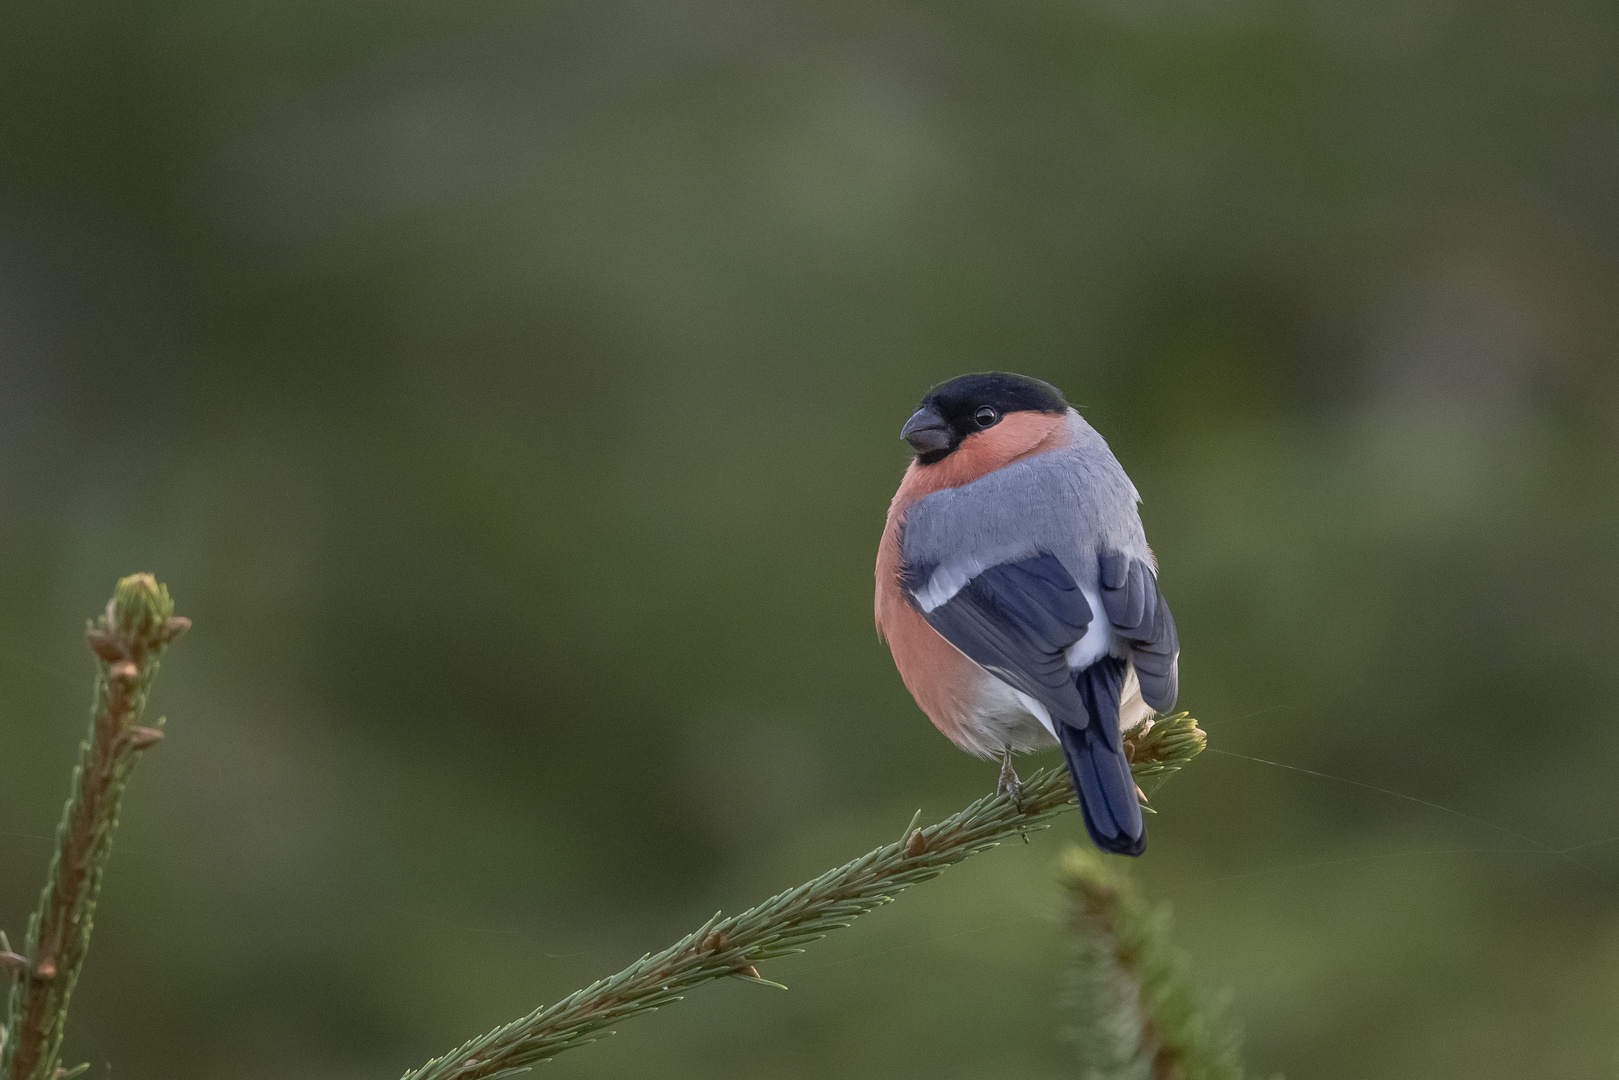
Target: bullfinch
1017 592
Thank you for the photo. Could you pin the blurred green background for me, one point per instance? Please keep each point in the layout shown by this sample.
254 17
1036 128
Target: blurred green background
510 392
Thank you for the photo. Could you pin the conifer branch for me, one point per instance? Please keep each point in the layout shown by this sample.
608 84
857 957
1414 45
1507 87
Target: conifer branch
127 640
785 923
1133 1012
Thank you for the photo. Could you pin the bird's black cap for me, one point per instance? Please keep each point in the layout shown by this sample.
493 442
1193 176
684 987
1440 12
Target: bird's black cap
953 410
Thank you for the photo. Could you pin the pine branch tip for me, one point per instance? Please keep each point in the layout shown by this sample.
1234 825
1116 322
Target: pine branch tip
1164 745
127 638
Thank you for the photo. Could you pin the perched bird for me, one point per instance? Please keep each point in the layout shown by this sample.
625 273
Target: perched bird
1017 592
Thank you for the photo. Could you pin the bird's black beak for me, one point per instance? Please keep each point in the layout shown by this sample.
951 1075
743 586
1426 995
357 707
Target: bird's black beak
926 431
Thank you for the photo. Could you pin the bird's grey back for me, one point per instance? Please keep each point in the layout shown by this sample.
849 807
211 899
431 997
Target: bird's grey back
1072 503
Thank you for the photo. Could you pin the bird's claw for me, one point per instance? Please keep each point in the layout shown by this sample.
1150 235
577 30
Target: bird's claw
1008 783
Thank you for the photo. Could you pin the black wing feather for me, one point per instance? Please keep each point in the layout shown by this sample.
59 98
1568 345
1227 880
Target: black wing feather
1141 616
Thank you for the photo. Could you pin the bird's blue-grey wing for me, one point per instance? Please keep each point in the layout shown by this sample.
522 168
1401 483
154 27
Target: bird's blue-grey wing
1141 618
1015 619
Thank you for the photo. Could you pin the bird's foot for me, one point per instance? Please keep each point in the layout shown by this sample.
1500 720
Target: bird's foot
1008 783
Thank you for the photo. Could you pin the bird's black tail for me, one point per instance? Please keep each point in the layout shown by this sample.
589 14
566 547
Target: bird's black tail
1107 792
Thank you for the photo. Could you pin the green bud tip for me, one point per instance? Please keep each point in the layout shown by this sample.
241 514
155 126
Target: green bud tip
141 607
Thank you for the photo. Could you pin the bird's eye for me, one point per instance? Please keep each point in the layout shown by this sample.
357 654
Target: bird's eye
985 416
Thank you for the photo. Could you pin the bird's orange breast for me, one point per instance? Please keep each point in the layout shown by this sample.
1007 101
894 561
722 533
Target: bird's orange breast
939 676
